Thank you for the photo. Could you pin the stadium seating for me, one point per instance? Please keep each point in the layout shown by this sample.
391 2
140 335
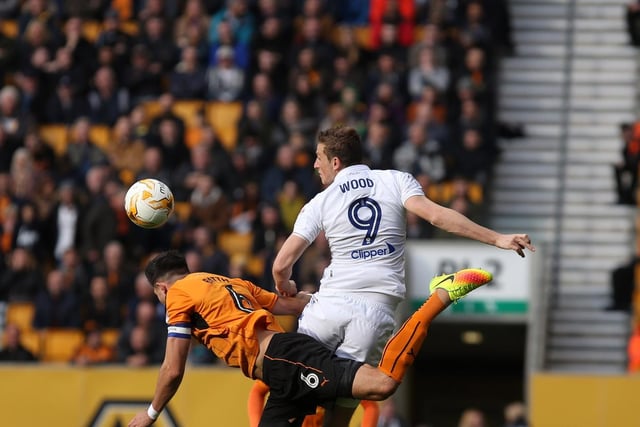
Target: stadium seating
224 117
59 345
9 28
91 30
110 336
32 341
57 136
21 315
182 211
188 110
235 243
100 135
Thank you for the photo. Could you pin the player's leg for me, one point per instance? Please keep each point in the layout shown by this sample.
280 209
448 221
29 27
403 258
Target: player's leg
371 324
255 403
402 348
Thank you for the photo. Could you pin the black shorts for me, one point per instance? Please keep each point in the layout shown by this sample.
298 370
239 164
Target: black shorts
302 374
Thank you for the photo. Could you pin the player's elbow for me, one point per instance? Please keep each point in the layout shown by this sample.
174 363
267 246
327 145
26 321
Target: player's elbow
383 388
173 374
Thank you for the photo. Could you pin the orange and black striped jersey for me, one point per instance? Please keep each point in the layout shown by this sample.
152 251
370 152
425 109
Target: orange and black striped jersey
223 314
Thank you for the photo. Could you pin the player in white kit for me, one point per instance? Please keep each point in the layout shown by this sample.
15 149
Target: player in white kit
362 213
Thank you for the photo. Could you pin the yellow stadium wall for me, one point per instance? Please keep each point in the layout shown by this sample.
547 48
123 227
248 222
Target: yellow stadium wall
585 401
65 397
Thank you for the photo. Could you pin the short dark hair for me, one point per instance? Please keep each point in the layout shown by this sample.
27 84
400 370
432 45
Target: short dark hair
165 263
342 142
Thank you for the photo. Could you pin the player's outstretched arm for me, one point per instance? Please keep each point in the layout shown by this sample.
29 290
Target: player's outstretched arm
291 305
169 380
282 268
456 223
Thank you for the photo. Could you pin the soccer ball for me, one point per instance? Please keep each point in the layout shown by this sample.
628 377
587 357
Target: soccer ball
148 203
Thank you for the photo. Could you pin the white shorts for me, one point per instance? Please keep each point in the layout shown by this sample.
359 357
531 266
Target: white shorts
352 327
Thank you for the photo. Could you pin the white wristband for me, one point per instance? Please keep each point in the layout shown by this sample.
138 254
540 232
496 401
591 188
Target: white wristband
153 414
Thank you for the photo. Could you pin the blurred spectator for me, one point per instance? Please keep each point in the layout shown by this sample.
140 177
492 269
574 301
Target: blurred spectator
9 9
472 418
209 204
13 121
472 158
30 233
188 79
24 177
165 105
244 209
268 235
82 153
153 166
400 13
389 416
292 121
200 163
112 37
171 142
633 21
142 342
240 20
98 221
378 152
623 282
7 148
225 79
13 350
93 350
310 36
56 306
313 261
427 72
193 15
626 170
515 415
106 100
118 271
81 49
64 106
76 275
100 308
143 291
290 202
142 78
40 10
22 279
254 122
157 40
212 258
63 222
283 169
421 154
125 152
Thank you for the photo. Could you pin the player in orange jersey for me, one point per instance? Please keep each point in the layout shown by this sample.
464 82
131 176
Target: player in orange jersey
235 319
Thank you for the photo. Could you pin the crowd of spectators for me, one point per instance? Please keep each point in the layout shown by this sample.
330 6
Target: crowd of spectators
415 78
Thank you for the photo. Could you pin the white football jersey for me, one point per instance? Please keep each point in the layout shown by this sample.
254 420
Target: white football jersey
363 216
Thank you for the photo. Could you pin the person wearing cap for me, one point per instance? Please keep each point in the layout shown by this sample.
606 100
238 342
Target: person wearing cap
226 80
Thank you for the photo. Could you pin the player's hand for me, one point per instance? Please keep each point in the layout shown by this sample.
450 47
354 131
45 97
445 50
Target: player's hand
516 242
141 420
287 289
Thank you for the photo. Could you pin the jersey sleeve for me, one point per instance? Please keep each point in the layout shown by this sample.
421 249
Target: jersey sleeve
179 309
265 298
308 223
408 185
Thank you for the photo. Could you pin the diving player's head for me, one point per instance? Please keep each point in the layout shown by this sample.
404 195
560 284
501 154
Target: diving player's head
162 270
